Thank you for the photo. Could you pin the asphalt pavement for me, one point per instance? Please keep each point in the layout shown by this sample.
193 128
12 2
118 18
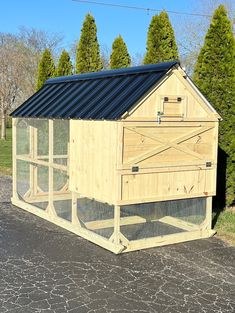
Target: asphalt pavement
45 269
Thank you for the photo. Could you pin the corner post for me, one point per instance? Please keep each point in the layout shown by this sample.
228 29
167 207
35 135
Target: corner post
116 224
14 162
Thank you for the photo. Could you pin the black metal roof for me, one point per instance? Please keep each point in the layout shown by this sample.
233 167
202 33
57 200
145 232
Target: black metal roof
102 95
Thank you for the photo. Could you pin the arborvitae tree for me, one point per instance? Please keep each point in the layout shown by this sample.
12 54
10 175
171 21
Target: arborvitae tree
215 76
65 66
46 68
88 52
161 44
119 57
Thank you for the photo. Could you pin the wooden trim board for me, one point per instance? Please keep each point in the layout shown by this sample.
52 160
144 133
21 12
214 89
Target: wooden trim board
168 240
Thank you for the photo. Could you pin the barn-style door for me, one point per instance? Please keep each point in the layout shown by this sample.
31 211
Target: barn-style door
170 145
167 160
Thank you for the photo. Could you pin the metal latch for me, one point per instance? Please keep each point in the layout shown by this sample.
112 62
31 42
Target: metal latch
135 169
159 117
208 164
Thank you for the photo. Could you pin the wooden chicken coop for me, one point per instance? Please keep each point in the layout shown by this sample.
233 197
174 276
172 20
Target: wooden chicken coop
124 158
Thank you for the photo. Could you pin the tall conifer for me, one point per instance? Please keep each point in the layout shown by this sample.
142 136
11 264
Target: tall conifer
65 66
88 52
46 68
161 44
215 76
119 57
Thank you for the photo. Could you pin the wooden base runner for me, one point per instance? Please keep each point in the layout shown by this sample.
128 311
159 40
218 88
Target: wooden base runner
168 240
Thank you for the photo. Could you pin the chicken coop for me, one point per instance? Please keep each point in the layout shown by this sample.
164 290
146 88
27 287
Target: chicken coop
123 158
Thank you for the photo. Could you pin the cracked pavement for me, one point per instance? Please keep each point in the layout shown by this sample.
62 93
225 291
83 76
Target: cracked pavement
44 268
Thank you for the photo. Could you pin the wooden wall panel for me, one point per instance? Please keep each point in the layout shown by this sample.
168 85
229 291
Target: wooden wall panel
93 158
167 185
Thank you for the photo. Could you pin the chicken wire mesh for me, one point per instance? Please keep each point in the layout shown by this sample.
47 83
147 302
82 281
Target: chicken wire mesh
32 178
22 137
60 142
163 218
63 208
90 211
22 178
27 175
42 126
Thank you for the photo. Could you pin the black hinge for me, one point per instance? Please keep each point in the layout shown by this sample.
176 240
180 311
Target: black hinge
208 164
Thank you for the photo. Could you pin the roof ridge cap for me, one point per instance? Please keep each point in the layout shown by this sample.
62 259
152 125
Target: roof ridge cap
141 69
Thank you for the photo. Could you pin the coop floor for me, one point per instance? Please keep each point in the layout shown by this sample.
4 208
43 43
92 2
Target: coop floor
44 268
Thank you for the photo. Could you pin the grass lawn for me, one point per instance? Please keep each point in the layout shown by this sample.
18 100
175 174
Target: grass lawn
5 154
225 224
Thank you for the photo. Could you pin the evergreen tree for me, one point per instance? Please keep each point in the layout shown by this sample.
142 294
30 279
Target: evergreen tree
65 66
161 44
119 57
46 68
215 76
88 53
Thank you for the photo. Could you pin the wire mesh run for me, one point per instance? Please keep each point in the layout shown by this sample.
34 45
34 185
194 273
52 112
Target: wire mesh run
22 178
141 221
22 137
96 216
33 169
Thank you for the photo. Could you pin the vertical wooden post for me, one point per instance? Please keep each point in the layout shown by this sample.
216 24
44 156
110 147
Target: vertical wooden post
35 153
216 130
31 153
116 224
208 221
14 162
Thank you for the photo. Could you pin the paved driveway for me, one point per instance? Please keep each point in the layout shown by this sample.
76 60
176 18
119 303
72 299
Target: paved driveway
44 268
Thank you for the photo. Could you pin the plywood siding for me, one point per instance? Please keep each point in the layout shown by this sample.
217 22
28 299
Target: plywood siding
93 155
191 106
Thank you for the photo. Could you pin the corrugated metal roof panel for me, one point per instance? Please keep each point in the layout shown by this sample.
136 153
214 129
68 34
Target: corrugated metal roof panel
102 95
